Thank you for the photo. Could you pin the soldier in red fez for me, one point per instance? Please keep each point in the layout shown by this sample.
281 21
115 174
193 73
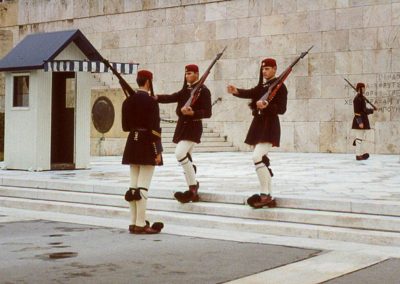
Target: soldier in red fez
264 132
189 128
360 121
141 118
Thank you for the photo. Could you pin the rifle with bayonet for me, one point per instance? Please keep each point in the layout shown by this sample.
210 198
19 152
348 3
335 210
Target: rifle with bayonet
275 86
195 93
128 91
355 89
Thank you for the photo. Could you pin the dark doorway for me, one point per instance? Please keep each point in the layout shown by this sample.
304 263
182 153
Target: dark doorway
63 120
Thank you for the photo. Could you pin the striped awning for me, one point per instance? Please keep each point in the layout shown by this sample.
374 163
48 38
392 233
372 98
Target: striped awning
88 66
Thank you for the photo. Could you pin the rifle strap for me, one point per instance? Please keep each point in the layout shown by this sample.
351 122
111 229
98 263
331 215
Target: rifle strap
125 92
196 96
278 86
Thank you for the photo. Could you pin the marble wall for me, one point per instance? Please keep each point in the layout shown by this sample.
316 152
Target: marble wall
6 45
354 39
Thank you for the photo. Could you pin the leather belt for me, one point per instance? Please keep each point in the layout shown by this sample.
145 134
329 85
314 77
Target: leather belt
193 120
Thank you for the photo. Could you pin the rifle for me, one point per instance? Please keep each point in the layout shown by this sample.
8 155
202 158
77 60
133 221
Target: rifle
354 88
175 121
195 93
128 91
275 86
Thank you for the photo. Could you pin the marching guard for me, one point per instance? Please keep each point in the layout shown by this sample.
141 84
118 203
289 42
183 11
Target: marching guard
141 118
189 127
264 132
360 121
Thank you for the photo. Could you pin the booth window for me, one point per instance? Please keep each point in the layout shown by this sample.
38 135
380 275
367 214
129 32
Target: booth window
21 91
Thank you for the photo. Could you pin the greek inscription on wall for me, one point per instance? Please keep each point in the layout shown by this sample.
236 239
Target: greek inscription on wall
384 93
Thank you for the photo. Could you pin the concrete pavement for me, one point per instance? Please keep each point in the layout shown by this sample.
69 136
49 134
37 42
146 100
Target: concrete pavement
331 178
57 252
80 249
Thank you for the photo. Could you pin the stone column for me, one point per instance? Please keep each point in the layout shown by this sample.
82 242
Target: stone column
6 39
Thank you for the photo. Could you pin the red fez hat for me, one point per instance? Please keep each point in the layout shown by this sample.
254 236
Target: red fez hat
268 62
145 74
359 86
192 68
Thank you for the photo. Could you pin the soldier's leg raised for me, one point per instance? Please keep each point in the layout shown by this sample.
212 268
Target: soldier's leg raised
182 153
189 154
264 174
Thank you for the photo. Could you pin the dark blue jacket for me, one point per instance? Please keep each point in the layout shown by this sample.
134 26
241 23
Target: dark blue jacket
141 118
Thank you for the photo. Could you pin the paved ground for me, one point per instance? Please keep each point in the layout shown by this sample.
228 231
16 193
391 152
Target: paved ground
384 272
305 175
46 251
55 252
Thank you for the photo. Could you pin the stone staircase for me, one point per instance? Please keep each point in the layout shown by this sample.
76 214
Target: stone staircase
369 222
210 141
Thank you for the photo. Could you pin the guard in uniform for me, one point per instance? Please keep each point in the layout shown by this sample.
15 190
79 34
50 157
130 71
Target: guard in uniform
264 131
360 121
141 118
189 128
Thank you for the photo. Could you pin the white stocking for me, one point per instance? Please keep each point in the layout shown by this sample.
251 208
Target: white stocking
264 177
182 149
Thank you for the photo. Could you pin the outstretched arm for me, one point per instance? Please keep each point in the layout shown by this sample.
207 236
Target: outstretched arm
240 93
166 99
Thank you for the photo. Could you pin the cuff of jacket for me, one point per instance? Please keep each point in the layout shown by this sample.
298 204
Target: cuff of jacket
272 108
197 114
240 94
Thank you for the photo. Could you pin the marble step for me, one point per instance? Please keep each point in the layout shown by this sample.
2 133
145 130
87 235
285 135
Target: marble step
203 143
167 128
219 222
159 190
165 135
278 228
204 138
205 134
304 216
204 149
115 146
